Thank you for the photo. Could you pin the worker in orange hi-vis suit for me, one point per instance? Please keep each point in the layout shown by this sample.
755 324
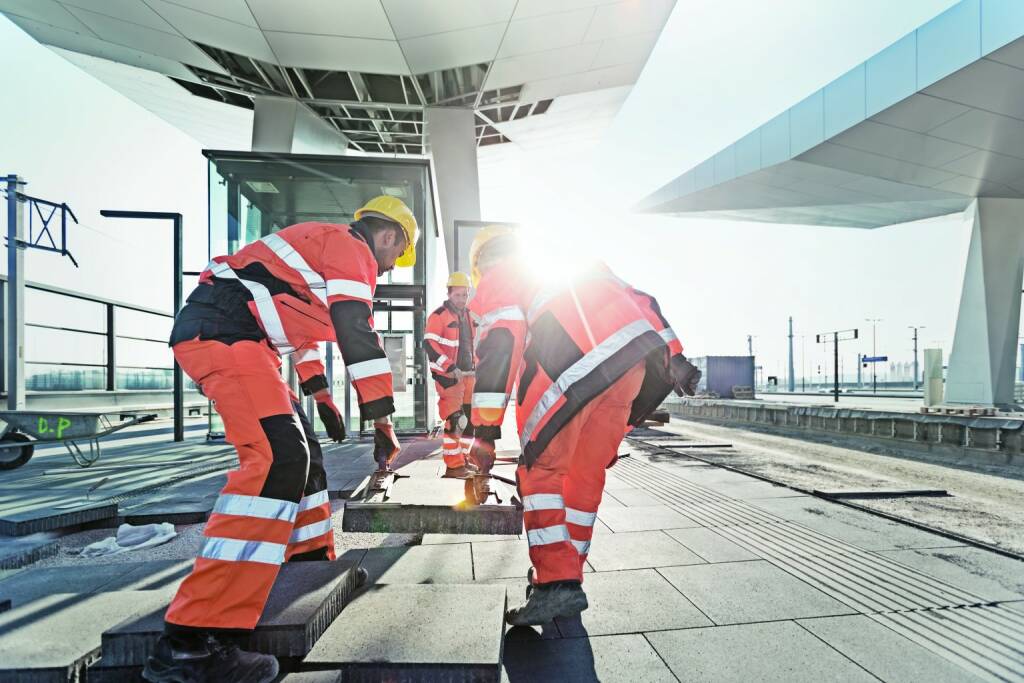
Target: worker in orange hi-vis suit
590 355
283 294
449 345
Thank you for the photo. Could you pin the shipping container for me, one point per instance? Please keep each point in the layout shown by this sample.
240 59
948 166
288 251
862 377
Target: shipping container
722 373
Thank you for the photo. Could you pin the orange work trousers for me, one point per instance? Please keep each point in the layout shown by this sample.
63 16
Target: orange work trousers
562 490
455 446
274 507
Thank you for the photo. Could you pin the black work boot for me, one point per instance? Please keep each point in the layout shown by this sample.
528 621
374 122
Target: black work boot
547 601
460 472
207 660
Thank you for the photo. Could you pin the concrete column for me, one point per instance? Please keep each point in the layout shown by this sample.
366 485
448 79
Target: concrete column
281 124
453 150
983 360
932 377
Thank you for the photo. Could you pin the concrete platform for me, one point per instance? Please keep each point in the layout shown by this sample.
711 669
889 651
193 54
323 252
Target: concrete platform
416 632
306 598
48 518
427 504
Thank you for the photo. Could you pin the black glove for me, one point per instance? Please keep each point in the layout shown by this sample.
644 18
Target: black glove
482 455
685 375
329 415
385 444
456 422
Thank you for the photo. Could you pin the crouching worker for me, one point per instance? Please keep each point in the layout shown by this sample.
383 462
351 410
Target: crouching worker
305 284
590 355
449 344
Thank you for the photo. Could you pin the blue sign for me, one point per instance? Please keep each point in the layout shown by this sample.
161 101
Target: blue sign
875 359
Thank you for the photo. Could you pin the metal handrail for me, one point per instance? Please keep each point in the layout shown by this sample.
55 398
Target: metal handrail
89 297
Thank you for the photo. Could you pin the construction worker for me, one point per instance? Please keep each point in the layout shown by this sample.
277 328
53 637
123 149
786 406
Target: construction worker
590 355
282 294
449 345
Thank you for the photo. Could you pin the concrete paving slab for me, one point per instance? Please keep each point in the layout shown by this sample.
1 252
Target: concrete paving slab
434 539
631 602
27 586
441 563
884 653
579 660
633 497
56 637
779 652
852 526
743 592
5 604
313 677
613 483
306 598
500 559
608 500
711 546
757 490
979 571
18 551
638 550
48 518
644 518
410 632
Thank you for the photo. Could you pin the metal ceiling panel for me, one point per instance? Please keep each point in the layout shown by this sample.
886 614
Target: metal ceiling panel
210 30
232 10
134 11
540 65
353 18
985 85
920 113
337 53
902 144
625 50
413 18
47 12
456 48
628 17
537 34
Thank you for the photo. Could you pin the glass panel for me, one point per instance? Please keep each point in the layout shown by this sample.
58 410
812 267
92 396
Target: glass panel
43 377
49 308
143 354
44 345
129 323
131 378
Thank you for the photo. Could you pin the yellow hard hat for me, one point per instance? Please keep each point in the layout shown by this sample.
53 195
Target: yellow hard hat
458 279
483 237
394 209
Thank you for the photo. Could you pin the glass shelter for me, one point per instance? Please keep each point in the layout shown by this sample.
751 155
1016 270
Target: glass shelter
254 194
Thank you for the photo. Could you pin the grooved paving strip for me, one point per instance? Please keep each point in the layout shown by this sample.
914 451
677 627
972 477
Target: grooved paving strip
957 624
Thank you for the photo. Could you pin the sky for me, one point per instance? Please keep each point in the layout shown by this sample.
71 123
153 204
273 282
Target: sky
720 69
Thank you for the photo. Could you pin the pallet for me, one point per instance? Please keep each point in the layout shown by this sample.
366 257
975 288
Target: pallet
962 411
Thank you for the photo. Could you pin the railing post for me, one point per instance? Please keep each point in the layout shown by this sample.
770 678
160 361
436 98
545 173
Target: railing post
111 349
15 356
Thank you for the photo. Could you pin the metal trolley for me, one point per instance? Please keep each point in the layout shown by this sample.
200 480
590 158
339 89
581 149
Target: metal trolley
23 428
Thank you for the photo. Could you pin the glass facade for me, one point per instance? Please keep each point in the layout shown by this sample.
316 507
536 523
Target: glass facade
252 195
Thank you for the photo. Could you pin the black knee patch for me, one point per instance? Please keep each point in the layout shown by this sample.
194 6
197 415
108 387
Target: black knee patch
287 476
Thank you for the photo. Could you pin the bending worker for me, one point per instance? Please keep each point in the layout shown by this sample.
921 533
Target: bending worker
283 294
590 356
449 344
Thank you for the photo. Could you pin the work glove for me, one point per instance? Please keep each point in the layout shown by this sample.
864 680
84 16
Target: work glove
385 443
482 455
457 374
685 375
329 415
456 422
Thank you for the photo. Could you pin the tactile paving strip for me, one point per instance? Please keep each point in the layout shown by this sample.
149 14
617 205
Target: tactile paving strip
955 623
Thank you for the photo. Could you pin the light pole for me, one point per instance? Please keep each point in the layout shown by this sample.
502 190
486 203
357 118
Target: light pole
803 362
917 375
874 353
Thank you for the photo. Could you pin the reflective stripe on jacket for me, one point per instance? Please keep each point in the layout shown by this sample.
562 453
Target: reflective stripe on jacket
303 280
563 344
443 343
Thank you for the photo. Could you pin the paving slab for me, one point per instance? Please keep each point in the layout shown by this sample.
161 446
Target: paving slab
433 539
644 518
711 546
631 602
638 550
577 660
852 526
991 576
501 559
631 497
57 636
306 598
884 653
416 632
442 563
313 677
18 551
48 518
5 604
743 592
778 652
27 586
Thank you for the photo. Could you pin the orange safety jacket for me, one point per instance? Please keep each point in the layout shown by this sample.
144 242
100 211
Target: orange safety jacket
305 284
564 345
444 343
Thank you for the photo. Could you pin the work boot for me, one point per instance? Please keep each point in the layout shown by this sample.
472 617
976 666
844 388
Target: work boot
460 472
208 660
547 601
529 582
